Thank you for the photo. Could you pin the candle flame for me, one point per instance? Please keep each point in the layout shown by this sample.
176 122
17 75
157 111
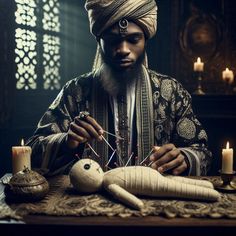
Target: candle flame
198 59
227 145
22 142
227 69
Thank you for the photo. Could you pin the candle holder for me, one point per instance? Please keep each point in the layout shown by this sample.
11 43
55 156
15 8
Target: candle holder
199 90
234 90
226 184
228 87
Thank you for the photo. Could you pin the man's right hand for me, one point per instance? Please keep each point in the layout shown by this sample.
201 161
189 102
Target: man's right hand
83 130
168 157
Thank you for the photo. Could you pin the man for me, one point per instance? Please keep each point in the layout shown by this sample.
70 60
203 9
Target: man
149 114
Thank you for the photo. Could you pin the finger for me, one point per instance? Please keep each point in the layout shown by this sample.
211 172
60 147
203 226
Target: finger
180 169
154 166
92 131
152 157
73 136
172 164
159 152
168 157
156 148
88 127
94 123
79 131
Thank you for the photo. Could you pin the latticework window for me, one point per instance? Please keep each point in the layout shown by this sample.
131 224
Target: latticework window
37 44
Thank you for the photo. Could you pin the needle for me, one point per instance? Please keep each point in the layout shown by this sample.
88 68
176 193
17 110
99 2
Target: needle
92 150
129 158
107 143
110 158
146 157
112 134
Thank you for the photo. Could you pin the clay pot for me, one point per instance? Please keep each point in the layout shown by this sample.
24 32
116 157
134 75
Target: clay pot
26 186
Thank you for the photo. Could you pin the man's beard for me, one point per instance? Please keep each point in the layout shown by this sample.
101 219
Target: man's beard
115 81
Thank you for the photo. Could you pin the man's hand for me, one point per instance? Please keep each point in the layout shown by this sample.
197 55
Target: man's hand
83 130
168 157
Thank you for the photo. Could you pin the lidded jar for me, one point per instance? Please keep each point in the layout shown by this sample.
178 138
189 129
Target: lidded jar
26 186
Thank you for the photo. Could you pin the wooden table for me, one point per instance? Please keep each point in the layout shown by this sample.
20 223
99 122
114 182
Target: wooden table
46 225
112 226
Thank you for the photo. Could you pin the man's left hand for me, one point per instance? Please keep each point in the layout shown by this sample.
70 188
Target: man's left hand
168 157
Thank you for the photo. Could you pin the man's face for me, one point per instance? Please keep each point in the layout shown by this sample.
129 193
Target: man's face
122 52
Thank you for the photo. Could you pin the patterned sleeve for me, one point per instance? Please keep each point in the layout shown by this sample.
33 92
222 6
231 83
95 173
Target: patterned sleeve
48 150
190 133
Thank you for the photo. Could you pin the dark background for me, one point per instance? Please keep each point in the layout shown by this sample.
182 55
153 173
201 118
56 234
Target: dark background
186 29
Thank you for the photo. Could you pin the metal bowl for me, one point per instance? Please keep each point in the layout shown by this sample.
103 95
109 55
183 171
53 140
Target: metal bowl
26 186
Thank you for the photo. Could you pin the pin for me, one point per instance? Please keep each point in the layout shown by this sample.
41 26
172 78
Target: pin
92 150
146 157
120 160
110 158
129 158
150 163
112 134
108 168
116 164
108 143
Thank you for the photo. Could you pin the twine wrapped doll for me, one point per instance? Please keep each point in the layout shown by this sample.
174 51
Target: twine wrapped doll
124 183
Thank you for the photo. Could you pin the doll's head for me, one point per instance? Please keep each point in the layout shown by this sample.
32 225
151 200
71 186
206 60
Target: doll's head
86 176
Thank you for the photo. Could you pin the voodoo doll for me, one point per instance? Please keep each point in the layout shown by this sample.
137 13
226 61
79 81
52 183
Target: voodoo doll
125 182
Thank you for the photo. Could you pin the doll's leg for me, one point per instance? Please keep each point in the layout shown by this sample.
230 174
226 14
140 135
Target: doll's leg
202 183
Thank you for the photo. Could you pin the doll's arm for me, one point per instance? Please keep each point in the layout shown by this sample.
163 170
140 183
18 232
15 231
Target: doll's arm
124 196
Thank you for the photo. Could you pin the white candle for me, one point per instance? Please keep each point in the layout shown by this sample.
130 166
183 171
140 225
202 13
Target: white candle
198 65
227 160
21 157
228 75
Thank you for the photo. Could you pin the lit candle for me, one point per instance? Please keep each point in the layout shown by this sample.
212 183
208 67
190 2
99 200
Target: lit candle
227 160
21 157
228 75
198 65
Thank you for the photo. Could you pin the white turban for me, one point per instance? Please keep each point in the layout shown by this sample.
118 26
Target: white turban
104 13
